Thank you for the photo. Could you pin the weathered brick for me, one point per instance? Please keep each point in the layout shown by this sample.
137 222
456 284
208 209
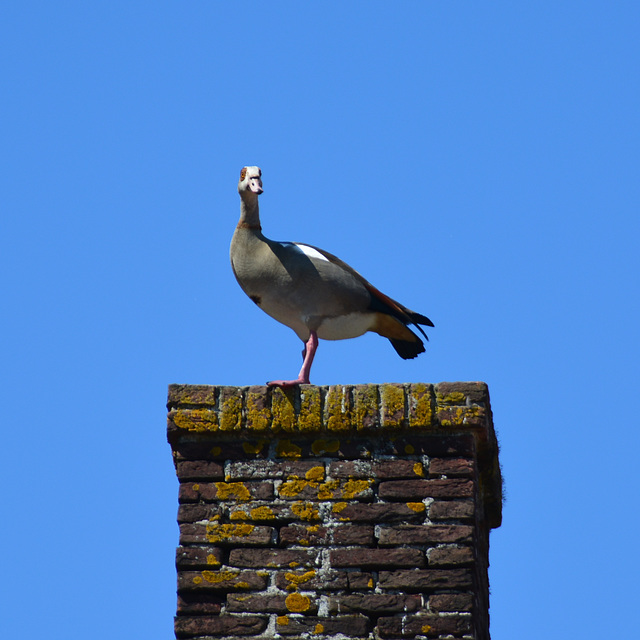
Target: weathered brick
350 469
203 557
337 489
451 467
373 558
418 489
426 625
200 603
352 534
419 579
199 470
225 625
305 535
374 603
226 534
198 511
451 510
269 603
425 534
462 445
255 469
451 602
379 512
224 579
453 556
385 469
355 626
232 491
314 580
272 558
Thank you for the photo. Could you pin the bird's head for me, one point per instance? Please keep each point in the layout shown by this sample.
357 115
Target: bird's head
250 182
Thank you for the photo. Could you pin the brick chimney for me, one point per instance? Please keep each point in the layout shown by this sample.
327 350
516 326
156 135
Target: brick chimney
352 511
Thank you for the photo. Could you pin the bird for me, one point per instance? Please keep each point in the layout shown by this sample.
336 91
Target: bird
312 291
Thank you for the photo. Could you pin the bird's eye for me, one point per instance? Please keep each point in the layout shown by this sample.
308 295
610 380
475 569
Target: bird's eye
243 174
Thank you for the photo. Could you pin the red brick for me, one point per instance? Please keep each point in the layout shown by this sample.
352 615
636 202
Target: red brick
398 468
352 626
350 469
379 512
272 558
254 469
198 511
353 534
451 467
199 470
311 580
226 534
199 603
231 491
451 510
451 602
374 603
425 534
453 556
274 512
417 579
225 625
193 557
224 579
263 603
424 625
338 489
374 558
419 489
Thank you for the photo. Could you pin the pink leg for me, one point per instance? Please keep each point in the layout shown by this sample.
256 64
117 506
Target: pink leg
303 376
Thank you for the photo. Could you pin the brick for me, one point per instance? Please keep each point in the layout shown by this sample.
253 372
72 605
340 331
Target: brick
451 467
199 470
274 511
314 580
425 625
232 491
272 558
226 534
353 534
374 558
269 603
225 625
194 557
199 603
350 469
379 512
385 469
419 579
419 489
452 556
224 579
425 534
451 510
355 626
316 535
434 446
337 489
374 603
451 602
251 470
196 512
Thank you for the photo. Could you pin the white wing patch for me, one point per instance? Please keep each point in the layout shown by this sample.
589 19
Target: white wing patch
310 251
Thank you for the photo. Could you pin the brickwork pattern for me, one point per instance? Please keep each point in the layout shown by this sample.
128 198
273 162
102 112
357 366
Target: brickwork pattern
356 512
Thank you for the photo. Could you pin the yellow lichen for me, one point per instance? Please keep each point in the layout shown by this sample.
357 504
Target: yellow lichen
239 515
310 418
231 412
315 474
262 513
282 411
297 603
211 559
409 448
392 399
294 486
426 628
418 469
418 507
354 487
420 410
327 490
283 620
337 409
293 565
305 511
318 628
286 449
232 491
253 447
197 579
258 418
198 420
325 446
216 577
296 579
220 532
366 405
339 506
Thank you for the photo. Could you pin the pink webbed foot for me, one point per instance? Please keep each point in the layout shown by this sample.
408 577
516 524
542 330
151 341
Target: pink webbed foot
303 377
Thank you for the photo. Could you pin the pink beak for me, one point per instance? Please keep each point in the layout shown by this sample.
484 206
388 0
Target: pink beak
255 184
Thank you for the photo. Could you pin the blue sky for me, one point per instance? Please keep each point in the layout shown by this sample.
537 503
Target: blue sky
476 161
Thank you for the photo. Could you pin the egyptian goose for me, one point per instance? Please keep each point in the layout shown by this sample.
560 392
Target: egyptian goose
312 291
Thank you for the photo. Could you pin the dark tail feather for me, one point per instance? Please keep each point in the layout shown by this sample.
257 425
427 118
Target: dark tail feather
407 350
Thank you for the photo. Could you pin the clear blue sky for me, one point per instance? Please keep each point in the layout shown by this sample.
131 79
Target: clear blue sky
477 161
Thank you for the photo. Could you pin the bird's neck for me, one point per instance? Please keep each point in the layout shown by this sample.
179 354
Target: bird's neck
249 215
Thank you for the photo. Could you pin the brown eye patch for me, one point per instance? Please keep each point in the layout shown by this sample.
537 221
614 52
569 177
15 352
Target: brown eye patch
243 173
